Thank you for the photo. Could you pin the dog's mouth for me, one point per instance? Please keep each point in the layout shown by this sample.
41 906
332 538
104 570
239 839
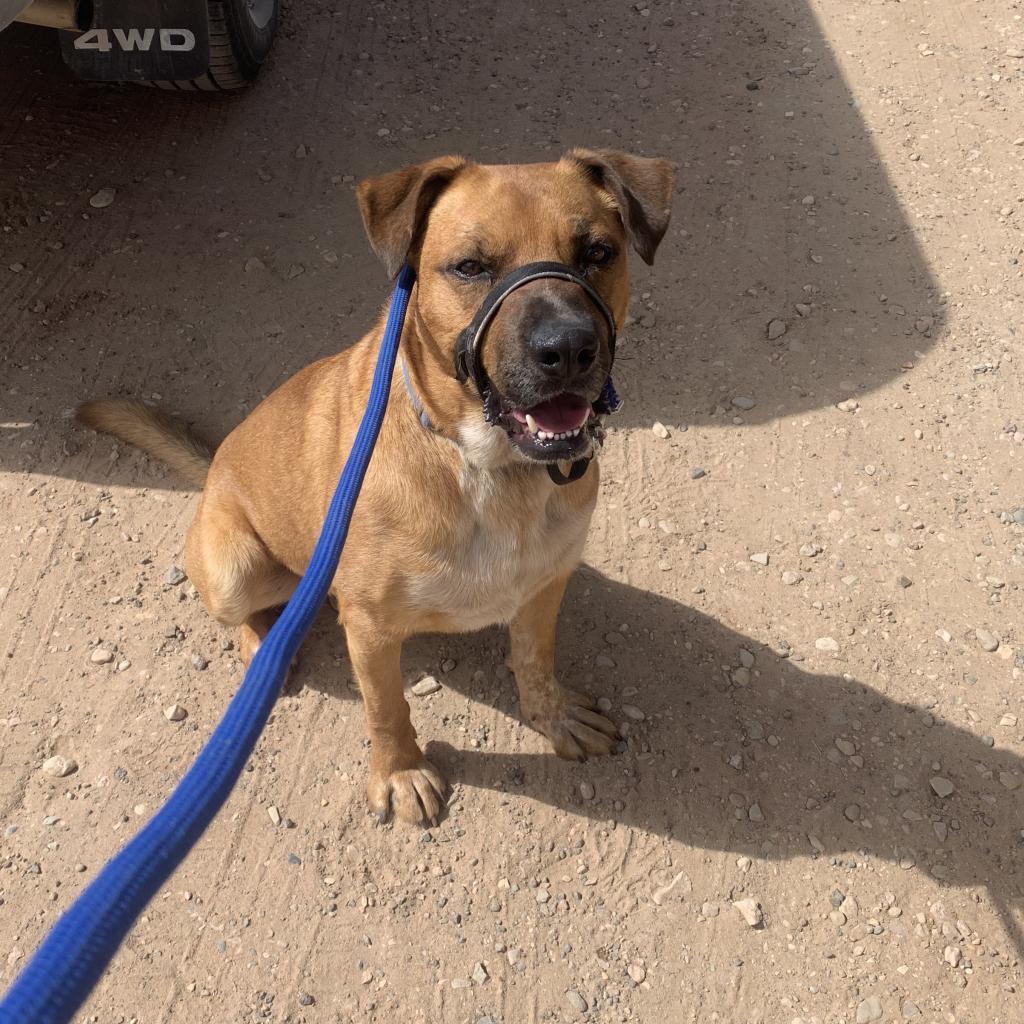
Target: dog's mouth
557 429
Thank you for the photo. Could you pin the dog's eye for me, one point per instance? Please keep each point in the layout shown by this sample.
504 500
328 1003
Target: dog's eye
598 255
469 269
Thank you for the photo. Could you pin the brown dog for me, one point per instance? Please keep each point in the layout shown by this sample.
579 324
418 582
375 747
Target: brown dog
459 524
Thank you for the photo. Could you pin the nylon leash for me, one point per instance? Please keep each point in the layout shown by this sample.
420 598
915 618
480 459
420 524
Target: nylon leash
78 949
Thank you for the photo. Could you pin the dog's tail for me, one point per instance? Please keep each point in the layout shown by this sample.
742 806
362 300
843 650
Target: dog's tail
154 431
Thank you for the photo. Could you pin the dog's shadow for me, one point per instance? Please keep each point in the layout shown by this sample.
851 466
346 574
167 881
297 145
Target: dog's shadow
773 763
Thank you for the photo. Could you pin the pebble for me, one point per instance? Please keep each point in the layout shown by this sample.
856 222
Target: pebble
904 582
587 791
697 473
636 972
776 329
60 767
1009 781
826 643
750 911
952 956
102 199
660 430
986 640
790 578
630 711
174 576
480 975
305 999
743 403
910 1010
101 656
199 662
755 813
852 812
175 713
576 1001
845 747
869 1010
746 658
426 686
942 787
760 557
275 815
848 405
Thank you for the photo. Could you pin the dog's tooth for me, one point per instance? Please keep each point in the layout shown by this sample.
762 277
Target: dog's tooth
531 423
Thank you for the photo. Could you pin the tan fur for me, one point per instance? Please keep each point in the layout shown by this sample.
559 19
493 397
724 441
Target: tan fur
454 530
150 429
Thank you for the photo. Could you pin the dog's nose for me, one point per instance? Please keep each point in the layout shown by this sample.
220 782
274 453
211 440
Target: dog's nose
564 348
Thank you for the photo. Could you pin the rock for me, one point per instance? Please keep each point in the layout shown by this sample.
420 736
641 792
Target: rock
448 665
944 635
1018 516
826 644
636 972
755 813
542 895
743 403
709 910
790 578
174 576
587 791
305 999
741 676
910 1010
904 582
175 713
746 658
275 815
848 405
750 910
852 812
632 712
869 1010
199 662
660 430
942 787
1009 781
102 199
986 640
576 1001
952 956
845 747
60 767
480 975
697 473
776 329
101 656
760 557
426 686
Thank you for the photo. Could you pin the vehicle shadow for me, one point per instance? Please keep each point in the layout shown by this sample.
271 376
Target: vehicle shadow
233 253
835 767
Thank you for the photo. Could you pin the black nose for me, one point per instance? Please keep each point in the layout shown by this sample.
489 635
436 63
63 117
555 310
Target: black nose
564 348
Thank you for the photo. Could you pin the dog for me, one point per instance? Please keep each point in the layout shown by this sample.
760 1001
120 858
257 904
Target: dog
466 518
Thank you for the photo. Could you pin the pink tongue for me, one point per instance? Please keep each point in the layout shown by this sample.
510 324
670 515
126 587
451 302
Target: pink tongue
567 412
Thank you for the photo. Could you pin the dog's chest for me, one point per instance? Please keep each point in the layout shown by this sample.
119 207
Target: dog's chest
504 547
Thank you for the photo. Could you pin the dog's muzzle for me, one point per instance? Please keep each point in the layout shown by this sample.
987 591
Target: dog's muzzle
469 365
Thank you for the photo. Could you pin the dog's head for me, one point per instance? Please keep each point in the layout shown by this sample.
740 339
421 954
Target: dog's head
547 353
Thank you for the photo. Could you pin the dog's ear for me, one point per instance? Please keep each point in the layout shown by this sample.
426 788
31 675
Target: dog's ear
642 189
394 206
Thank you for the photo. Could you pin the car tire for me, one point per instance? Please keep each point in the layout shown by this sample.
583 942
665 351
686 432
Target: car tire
241 35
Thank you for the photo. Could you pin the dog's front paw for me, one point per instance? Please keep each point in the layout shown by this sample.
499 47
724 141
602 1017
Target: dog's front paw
569 721
410 786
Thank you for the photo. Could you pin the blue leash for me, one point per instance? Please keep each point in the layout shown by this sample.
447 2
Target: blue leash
76 952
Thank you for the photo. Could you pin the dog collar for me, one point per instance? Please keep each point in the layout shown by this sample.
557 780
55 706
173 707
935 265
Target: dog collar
469 366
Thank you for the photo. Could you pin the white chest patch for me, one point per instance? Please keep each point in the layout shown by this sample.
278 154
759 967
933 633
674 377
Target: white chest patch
509 541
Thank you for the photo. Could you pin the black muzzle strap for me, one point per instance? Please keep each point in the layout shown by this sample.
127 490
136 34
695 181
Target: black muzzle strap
469 365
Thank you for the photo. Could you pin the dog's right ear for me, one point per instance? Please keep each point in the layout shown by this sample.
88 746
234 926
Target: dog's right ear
395 206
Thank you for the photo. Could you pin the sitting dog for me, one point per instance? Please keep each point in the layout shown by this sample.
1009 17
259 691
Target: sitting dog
477 501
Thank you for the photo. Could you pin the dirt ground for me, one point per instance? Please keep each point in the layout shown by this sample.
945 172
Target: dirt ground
803 604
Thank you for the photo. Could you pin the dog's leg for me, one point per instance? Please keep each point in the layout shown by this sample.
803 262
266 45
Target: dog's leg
401 778
566 717
235 575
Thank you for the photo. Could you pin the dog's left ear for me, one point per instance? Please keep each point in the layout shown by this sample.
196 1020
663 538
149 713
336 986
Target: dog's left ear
395 206
641 187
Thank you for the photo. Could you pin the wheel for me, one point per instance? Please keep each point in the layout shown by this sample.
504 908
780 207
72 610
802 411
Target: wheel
241 34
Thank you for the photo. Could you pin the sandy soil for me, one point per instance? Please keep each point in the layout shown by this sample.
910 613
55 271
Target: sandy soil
798 643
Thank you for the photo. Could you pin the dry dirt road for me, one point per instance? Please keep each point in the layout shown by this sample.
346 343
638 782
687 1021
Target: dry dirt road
815 646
